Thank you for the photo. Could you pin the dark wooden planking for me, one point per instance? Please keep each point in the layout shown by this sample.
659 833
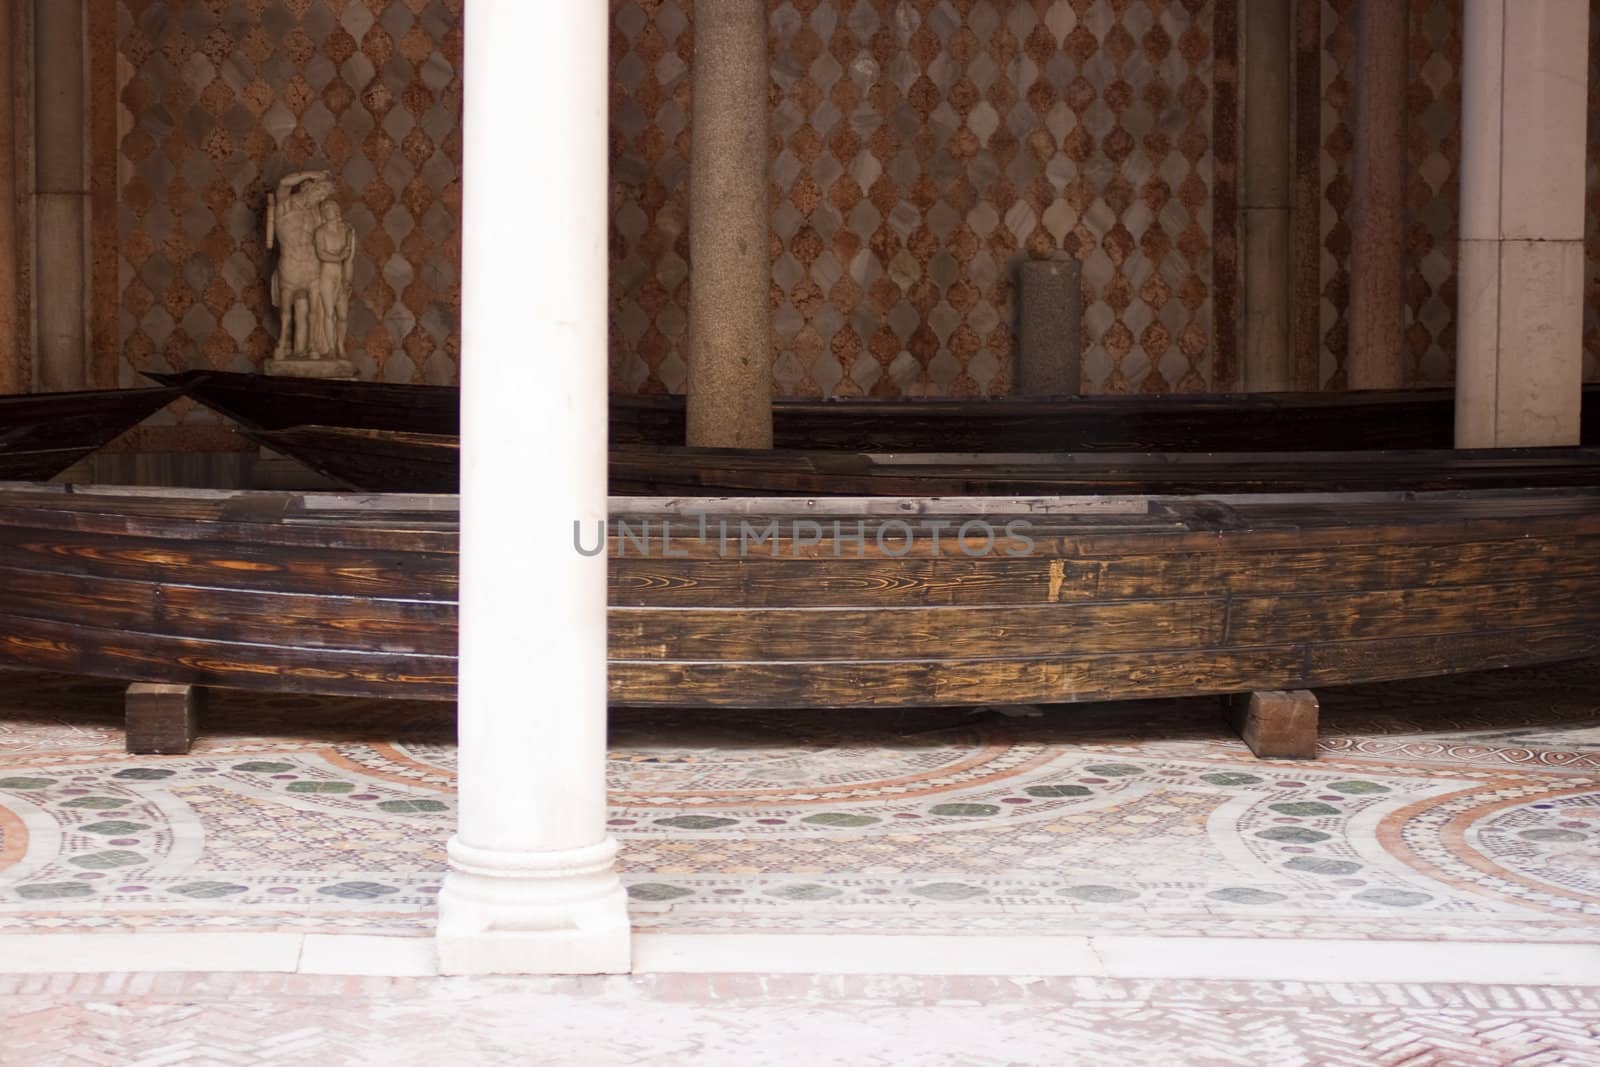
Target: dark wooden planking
1416 612
379 460
209 662
1349 568
233 564
1042 579
42 434
890 683
909 633
376 460
225 521
1238 422
1220 422
231 614
89 600
266 402
364 622
824 583
1124 598
712 471
1333 662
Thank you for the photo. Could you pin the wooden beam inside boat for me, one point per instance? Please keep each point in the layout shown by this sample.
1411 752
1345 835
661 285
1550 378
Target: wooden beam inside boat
42 434
1244 422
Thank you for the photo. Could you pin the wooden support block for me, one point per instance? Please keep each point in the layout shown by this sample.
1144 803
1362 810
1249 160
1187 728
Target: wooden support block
1276 724
161 720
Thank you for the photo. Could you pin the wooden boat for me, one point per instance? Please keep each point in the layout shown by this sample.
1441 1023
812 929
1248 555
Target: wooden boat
268 402
832 603
1221 422
42 434
1246 422
376 461
740 472
379 461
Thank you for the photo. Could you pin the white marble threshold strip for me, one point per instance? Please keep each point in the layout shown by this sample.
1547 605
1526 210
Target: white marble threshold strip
1257 959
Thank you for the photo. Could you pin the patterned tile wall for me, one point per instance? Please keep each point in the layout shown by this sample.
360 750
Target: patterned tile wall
919 149
1433 103
221 98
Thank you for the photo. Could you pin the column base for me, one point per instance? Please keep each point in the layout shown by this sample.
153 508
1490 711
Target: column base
310 368
533 912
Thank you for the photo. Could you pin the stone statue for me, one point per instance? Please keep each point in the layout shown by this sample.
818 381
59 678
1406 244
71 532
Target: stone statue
312 281
336 250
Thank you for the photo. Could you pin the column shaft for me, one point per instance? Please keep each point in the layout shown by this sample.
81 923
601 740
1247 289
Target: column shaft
61 195
1519 348
1307 255
1377 252
1050 327
11 379
531 887
1267 202
730 344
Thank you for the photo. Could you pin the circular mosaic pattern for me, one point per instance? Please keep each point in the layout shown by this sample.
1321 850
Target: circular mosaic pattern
937 821
1537 846
1554 842
13 838
763 757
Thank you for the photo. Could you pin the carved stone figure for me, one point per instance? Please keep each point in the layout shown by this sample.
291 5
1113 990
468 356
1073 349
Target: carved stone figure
311 284
336 250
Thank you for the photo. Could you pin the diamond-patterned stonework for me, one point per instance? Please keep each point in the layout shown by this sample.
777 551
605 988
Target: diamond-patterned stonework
218 101
919 150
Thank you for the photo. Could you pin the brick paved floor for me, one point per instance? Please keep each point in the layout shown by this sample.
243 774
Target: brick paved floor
753 1021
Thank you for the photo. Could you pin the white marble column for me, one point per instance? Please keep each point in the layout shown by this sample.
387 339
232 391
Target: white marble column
531 886
1524 108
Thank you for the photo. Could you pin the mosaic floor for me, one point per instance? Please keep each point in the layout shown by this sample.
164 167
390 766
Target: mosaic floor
1464 808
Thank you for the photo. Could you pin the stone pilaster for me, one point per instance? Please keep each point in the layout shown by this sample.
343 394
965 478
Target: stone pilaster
1524 110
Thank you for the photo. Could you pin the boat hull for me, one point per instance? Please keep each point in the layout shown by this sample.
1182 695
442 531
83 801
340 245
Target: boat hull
1237 422
1114 597
42 434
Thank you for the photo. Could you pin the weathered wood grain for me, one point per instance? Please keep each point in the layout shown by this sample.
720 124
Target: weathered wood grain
351 595
1064 678
161 720
1276 724
204 660
837 635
